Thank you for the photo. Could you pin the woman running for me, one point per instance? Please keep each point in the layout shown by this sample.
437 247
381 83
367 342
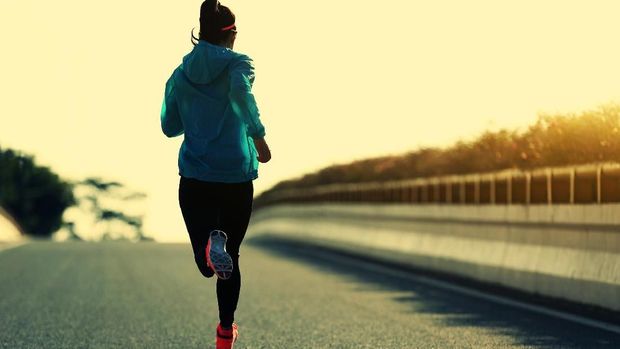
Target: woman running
208 98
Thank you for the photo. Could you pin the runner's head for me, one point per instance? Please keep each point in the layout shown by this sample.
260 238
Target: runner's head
217 24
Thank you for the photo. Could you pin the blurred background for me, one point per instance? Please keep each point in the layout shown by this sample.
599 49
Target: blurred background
336 83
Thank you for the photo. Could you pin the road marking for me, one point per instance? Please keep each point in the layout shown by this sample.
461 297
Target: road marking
10 245
474 293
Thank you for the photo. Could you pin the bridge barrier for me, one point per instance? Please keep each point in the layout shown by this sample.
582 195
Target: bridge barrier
565 251
597 183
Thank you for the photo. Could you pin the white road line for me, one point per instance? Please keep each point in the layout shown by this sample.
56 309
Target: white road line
475 293
11 245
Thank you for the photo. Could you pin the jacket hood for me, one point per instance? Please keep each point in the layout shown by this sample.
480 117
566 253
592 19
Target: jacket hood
206 62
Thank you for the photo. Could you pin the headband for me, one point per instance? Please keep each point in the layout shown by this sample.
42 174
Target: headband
228 27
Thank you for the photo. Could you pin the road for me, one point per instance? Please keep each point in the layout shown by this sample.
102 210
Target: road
149 295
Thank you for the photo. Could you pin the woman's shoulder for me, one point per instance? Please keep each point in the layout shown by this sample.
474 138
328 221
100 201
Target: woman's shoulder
241 57
242 61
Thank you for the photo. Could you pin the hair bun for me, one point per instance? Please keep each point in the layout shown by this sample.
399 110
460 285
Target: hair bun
209 6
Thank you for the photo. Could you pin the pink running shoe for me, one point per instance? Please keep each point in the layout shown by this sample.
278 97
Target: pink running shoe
226 338
217 258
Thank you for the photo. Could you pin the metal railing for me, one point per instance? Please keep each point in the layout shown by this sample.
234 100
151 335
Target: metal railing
584 184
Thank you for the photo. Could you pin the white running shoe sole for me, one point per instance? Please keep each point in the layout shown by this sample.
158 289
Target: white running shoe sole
217 258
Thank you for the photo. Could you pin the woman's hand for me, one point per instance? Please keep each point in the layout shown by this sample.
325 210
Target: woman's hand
264 154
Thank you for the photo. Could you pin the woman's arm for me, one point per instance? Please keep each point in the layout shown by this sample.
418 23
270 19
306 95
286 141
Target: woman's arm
171 123
242 99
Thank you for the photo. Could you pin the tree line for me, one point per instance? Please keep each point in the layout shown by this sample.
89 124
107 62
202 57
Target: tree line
37 198
553 140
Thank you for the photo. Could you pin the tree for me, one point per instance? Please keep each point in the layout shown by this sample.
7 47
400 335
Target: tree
103 198
34 195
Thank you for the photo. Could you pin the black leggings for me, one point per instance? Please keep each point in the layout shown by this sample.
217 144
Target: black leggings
225 206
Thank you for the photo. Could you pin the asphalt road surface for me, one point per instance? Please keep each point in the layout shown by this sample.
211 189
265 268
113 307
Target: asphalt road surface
149 295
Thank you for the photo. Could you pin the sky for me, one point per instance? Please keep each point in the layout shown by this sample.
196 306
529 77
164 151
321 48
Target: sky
83 81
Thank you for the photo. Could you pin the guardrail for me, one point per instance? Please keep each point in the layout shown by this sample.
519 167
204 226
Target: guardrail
585 184
569 252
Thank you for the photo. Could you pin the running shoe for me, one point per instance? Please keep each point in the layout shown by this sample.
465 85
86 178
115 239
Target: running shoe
225 339
217 258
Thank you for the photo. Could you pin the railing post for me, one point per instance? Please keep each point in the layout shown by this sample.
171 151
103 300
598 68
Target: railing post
492 189
599 171
395 193
462 190
477 189
549 186
449 191
528 186
509 189
573 173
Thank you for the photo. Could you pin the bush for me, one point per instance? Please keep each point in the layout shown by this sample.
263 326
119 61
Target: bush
554 140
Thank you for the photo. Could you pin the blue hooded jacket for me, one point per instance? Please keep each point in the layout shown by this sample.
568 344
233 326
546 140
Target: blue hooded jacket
209 99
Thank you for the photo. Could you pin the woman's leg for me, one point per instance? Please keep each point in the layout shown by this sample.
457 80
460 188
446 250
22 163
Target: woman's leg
235 216
199 203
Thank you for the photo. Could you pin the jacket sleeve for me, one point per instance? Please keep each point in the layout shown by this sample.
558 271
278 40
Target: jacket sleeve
242 99
171 123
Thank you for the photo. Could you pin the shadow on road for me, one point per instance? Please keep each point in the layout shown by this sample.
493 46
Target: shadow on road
527 328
